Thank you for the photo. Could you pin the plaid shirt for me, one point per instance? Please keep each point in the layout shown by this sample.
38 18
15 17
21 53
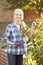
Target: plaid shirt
14 35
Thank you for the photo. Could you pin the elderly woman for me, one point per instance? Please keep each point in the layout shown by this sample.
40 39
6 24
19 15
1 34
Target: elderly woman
15 40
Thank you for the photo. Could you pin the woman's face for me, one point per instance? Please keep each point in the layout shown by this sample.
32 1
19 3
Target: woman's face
18 17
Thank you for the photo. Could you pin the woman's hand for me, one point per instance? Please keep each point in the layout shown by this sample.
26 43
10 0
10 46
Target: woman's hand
10 43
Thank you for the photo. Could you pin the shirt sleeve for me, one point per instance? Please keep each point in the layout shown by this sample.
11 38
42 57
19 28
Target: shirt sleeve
7 34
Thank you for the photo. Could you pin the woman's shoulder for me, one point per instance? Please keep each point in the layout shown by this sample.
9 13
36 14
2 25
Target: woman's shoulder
10 25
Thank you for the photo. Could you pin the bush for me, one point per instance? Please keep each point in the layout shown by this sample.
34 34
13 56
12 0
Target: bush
35 49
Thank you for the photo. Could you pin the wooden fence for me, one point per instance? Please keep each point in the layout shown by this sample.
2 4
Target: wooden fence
3 57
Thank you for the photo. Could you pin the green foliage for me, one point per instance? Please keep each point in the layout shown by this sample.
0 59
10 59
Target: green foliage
27 4
35 48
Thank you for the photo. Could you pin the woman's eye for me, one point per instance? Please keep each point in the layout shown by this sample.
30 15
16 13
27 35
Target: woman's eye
19 14
16 14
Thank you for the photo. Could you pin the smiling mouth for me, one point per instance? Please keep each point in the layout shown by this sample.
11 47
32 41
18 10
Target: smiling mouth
18 17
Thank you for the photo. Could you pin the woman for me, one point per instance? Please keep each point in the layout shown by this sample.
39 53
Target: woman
15 40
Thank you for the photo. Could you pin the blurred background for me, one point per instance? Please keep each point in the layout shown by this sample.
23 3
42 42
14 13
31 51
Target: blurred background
33 9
